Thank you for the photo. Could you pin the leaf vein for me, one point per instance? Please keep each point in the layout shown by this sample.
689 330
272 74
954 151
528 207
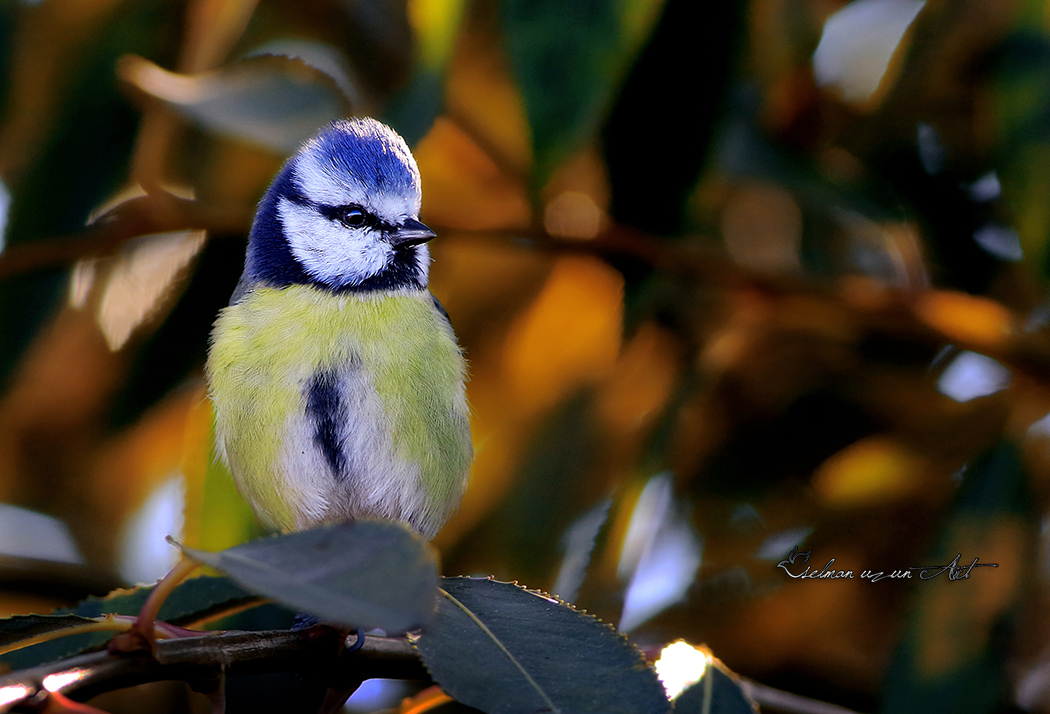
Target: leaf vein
484 628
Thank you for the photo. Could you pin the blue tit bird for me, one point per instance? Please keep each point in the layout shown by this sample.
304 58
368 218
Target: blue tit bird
336 379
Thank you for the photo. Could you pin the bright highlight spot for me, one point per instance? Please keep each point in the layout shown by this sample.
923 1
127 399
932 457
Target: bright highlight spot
578 543
13 693
972 375
1040 428
60 680
5 210
998 240
775 546
376 694
987 188
858 43
680 666
81 278
146 555
573 215
661 554
140 280
28 534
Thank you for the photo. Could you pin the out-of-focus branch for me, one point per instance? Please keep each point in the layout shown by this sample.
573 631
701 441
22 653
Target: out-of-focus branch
927 316
201 661
932 317
775 700
152 213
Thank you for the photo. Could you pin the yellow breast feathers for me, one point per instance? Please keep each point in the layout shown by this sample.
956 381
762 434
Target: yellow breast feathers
341 406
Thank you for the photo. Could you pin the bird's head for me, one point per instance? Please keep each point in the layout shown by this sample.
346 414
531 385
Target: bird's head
343 213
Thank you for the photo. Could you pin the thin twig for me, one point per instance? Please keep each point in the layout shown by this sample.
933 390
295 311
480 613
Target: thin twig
143 631
779 701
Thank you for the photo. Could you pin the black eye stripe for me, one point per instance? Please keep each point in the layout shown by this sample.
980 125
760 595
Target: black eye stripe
351 215
339 213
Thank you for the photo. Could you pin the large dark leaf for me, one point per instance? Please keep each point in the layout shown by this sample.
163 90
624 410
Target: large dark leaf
652 171
504 649
570 56
274 102
413 109
364 574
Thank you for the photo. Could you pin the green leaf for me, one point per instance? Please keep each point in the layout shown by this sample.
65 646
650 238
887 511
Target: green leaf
274 102
435 26
191 601
23 627
570 57
504 649
365 574
716 693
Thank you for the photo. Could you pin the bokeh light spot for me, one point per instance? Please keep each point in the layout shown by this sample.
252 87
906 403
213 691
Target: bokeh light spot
681 665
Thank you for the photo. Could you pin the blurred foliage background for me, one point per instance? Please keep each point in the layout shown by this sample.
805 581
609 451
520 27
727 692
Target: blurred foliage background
731 277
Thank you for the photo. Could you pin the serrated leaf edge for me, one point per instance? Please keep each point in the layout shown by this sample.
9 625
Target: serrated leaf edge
111 595
540 593
558 600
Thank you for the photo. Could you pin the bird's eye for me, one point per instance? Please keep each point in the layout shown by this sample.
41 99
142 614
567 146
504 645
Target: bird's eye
353 216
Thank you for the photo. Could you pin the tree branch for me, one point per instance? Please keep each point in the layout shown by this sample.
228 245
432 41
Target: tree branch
770 699
920 316
201 661
143 215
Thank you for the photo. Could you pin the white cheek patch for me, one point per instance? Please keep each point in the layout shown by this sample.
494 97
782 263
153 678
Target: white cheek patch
423 264
328 250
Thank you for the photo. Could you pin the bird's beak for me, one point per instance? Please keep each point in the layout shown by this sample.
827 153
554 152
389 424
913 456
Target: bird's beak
411 232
